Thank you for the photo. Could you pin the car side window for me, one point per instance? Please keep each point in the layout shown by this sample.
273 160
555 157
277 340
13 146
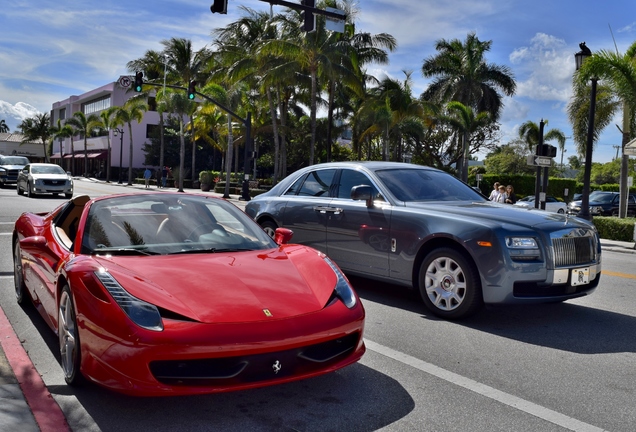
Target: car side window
351 178
293 190
317 183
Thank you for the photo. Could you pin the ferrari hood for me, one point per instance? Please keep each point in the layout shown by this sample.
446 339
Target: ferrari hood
229 287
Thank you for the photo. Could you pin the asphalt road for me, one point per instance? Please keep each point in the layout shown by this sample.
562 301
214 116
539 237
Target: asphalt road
556 367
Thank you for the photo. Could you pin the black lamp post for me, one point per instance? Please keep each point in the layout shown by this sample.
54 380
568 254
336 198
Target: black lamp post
585 197
121 148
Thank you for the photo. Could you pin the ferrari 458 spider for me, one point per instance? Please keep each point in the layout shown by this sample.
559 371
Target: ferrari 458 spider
172 294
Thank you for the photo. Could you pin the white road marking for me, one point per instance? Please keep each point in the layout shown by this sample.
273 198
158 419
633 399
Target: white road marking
484 390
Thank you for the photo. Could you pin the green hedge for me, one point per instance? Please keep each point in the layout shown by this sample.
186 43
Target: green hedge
613 228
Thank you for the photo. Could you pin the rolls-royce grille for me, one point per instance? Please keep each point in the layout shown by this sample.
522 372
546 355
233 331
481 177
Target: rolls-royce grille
570 251
230 371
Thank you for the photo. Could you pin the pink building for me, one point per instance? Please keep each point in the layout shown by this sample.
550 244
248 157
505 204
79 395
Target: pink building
70 153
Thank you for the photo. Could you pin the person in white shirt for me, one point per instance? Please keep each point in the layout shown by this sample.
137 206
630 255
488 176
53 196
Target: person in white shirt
502 196
495 192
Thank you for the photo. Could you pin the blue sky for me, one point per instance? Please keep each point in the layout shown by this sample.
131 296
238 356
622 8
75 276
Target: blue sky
50 50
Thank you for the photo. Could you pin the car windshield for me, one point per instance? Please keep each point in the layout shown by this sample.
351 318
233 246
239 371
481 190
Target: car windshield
426 185
14 160
47 169
169 224
602 197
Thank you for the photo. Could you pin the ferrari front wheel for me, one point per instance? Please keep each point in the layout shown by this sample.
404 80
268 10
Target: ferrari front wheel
449 284
18 276
69 338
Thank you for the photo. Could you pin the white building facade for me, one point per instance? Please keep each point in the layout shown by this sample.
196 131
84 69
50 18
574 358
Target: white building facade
70 153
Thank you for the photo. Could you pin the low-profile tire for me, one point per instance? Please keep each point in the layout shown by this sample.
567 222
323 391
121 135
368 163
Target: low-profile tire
68 195
70 353
449 284
18 274
560 211
269 227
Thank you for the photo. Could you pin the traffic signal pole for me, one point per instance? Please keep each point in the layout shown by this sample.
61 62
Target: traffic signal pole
247 122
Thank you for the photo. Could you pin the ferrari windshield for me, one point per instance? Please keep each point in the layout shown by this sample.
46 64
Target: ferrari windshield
426 185
153 224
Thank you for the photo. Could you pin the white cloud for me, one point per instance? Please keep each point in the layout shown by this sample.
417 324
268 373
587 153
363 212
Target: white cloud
547 65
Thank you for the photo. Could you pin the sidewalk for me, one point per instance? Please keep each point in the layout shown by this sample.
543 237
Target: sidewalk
25 403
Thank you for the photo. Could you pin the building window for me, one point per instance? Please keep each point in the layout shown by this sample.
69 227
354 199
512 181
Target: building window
152 131
62 113
96 105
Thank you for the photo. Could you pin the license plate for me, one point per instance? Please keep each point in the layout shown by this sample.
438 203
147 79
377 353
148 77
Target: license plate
580 276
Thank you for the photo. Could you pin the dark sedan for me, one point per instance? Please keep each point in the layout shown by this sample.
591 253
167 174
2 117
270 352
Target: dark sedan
602 203
423 228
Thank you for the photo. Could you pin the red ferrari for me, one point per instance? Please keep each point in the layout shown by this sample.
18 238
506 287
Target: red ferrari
173 294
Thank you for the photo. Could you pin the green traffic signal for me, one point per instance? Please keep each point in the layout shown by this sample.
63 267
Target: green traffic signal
139 81
192 90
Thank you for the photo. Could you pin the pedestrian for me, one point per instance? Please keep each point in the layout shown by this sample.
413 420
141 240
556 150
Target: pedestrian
158 178
511 197
501 198
147 176
495 192
164 176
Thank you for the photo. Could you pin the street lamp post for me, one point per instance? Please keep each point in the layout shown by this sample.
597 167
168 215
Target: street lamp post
121 149
585 197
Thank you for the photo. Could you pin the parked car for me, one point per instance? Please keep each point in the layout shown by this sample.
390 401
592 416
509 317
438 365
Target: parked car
38 178
423 228
10 166
604 204
171 294
551 203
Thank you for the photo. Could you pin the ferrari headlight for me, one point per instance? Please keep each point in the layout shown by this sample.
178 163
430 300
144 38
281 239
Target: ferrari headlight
140 312
343 289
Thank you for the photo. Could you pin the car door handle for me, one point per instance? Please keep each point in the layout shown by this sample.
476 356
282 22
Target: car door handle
324 209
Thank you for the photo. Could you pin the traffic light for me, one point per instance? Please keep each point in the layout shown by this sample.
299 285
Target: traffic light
548 150
192 92
309 19
139 81
219 6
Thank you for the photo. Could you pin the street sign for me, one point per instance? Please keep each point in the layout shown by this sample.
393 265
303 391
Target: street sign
335 24
543 161
124 81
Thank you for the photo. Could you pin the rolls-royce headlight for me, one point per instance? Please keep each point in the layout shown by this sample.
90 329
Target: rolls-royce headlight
523 248
140 312
343 290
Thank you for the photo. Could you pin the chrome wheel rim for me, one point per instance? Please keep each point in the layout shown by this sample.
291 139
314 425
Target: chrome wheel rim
445 283
67 332
270 231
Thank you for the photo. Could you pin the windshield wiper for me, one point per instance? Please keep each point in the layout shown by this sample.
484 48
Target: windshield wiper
210 250
123 251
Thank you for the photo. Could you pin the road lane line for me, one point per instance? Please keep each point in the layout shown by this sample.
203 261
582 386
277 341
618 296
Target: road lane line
484 390
618 274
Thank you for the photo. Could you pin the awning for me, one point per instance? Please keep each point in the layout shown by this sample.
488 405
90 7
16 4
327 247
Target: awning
100 155
56 156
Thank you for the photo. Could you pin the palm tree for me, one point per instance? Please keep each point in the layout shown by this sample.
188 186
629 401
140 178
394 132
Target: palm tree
62 132
178 103
461 73
154 64
618 72
4 128
463 120
530 133
84 126
106 121
133 110
37 128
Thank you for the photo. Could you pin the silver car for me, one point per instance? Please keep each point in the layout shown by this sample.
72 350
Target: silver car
39 178
423 228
